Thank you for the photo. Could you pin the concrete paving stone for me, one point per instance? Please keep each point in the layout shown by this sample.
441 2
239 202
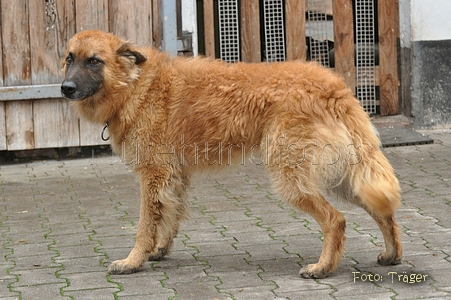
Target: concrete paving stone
111 228
93 294
30 237
177 259
256 237
227 217
241 279
44 291
126 239
375 296
286 229
36 276
366 289
258 253
245 226
294 284
424 262
227 263
88 281
305 294
441 279
62 230
257 292
153 296
213 249
276 267
199 291
80 265
144 284
36 261
211 234
96 208
5 291
420 293
69 240
186 273
75 251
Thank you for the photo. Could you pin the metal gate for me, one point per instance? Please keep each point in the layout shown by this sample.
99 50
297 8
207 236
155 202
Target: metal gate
358 38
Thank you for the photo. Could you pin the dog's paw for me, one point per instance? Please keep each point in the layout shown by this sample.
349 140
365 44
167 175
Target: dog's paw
159 255
313 271
121 267
387 259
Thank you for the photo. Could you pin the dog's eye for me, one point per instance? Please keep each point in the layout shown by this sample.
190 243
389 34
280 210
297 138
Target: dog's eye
94 61
68 60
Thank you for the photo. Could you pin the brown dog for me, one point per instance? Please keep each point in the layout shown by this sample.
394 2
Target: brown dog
170 116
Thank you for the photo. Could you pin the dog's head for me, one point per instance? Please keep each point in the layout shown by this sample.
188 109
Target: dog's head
97 63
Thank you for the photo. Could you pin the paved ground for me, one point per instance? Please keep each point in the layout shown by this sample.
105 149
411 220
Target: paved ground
62 222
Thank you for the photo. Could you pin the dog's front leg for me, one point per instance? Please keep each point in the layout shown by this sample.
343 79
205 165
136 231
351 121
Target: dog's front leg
157 222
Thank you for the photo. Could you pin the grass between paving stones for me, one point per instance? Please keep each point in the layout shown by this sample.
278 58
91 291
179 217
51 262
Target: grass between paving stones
207 266
8 256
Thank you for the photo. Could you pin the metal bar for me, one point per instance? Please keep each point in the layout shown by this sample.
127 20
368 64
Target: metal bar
169 20
365 54
27 92
274 30
229 30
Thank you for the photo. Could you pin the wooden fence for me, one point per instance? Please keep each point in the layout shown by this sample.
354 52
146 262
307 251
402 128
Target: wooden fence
34 34
386 73
33 39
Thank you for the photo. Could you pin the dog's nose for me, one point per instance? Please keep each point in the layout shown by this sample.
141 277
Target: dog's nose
68 88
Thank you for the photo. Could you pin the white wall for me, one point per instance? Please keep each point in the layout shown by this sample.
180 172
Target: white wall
424 20
189 21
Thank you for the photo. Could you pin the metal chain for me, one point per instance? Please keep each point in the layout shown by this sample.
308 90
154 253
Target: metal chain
51 16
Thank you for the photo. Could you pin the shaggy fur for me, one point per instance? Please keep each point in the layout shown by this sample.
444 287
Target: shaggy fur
171 116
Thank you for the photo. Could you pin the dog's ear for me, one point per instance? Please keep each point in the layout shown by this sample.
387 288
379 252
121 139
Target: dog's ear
129 51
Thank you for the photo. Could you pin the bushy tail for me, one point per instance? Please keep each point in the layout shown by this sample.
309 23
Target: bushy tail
376 185
372 177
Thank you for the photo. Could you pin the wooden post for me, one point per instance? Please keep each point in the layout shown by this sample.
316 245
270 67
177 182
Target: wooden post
388 58
2 104
250 31
209 28
295 29
17 71
344 41
156 23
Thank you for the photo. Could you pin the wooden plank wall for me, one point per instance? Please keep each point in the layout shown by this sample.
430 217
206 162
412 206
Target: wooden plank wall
388 56
386 72
344 41
295 29
55 123
2 104
31 55
250 31
17 71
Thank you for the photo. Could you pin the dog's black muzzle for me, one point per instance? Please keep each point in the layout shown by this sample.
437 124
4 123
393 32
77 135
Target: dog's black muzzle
68 89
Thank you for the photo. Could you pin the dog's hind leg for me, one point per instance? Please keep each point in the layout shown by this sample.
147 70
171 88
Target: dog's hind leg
377 191
390 230
333 226
163 206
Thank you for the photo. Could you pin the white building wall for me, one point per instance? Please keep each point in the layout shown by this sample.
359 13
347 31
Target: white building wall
189 21
425 38
431 20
